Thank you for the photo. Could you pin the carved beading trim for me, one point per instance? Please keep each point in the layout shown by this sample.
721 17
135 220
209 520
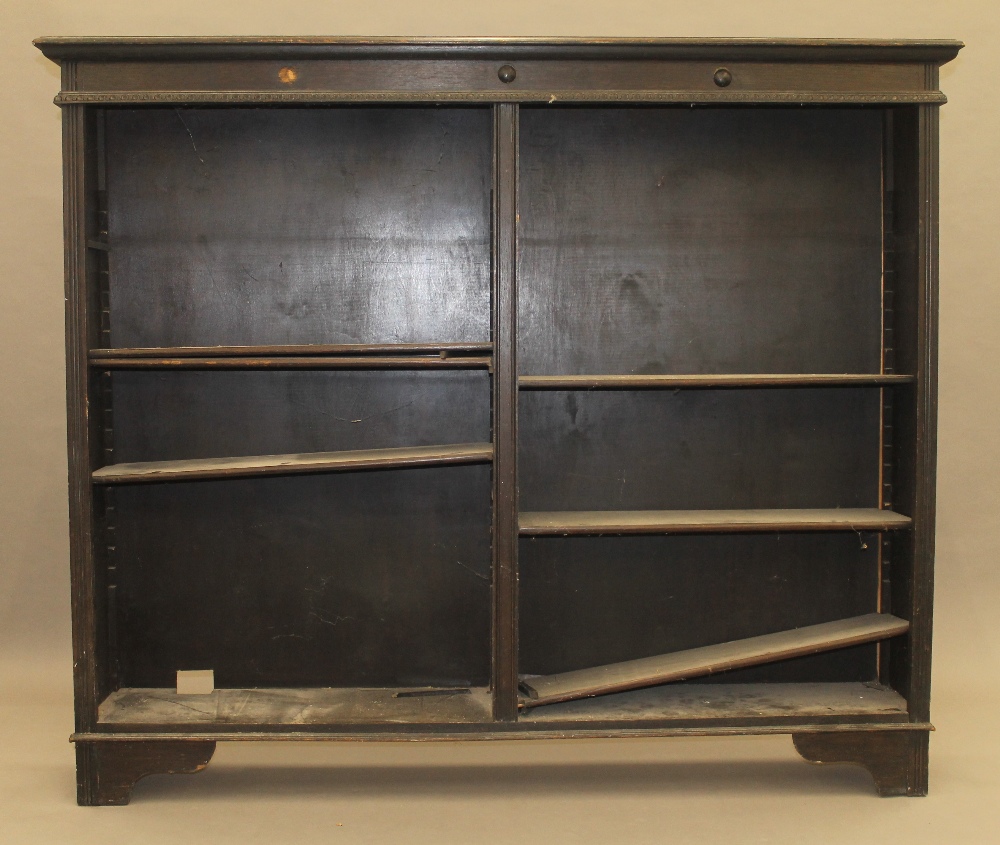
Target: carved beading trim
616 96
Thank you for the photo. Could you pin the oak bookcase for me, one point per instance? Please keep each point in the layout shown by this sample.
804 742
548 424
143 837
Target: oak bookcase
486 389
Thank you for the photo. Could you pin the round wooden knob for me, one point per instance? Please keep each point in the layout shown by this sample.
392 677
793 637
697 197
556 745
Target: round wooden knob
507 73
723 77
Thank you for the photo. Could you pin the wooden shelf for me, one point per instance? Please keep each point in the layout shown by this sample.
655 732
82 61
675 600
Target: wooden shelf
696 702
356 349
708 660
298 707
296 362
147 708
673 382
565 523
242 467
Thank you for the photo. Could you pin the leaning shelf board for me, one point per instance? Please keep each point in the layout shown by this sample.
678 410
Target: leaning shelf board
242 467
707 660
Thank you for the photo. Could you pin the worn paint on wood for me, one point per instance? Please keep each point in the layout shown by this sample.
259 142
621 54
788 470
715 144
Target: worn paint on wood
694 701
296 706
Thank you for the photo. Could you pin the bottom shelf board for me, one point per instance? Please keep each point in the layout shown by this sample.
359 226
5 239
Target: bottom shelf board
709 660
683 702
688 703
297 706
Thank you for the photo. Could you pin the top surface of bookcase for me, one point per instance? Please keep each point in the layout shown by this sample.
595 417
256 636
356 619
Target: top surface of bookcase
749 49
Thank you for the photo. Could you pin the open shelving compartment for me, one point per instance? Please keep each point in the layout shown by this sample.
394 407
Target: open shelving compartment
705 418
295 483
301 372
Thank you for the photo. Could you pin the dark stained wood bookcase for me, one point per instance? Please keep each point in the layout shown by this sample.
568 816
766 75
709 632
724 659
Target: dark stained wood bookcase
481 389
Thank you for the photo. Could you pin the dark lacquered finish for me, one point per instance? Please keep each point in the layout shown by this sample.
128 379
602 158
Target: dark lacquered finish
650 450
383 579
163 417
704 241
654 595
357 226
593 303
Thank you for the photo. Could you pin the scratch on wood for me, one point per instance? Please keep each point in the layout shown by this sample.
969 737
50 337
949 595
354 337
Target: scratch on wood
375 416
326 621
473 571
194 146
181 704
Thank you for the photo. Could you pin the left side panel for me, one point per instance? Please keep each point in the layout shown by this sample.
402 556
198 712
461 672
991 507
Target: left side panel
81 175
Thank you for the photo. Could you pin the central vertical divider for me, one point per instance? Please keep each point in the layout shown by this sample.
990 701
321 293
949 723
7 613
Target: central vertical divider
504 399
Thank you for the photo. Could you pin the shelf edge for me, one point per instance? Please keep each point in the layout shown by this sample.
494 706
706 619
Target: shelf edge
293 362
501 731
735 380
302 349
597 523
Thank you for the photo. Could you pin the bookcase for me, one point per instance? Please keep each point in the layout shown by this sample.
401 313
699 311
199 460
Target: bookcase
491 388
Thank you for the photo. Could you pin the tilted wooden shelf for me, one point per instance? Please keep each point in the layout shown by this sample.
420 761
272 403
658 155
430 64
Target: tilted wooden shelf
565 523
673 382
245 467
708 660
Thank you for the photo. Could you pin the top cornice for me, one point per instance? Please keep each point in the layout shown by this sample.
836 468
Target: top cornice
132 49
